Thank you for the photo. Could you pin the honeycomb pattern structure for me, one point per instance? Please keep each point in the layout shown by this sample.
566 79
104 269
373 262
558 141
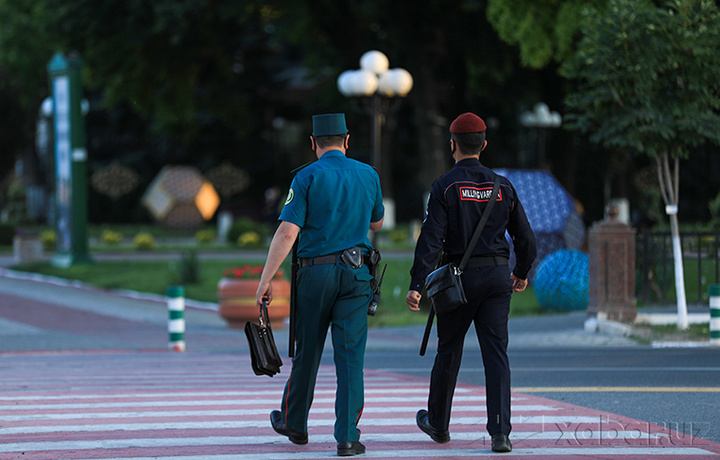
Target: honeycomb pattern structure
180 198
561 281
551 211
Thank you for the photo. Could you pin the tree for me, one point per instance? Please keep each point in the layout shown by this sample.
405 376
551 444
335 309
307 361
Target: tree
23 84
649 83
457 62
168 81
543 31
180 62
202 81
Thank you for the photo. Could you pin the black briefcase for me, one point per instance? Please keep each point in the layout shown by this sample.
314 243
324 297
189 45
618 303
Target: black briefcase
264 354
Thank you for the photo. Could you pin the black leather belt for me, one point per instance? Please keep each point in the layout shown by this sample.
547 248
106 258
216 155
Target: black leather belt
486 261
320 260
328 259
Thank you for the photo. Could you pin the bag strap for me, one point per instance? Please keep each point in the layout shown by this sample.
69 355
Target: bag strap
481 224
466 257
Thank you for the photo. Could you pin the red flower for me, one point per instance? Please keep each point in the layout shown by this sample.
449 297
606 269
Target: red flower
249 272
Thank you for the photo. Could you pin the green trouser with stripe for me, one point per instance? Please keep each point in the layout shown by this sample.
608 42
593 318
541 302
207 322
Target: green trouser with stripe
336 296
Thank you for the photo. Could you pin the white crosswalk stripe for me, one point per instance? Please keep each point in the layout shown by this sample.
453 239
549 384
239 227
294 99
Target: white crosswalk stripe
209 406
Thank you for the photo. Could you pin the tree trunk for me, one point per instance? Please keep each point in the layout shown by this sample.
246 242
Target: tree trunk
682 321
670 187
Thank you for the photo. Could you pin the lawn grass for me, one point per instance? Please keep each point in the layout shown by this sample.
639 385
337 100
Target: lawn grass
697 277
143 276
646 333
155 276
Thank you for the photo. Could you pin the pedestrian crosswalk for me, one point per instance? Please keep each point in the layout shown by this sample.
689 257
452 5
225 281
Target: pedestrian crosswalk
155 405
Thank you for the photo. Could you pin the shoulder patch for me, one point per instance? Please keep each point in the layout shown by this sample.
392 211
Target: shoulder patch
290 197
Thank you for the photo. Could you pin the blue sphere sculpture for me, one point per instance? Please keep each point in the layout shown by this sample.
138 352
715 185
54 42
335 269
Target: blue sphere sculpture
561 281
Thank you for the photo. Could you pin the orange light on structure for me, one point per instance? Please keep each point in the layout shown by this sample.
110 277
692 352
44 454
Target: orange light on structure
207 200
180 197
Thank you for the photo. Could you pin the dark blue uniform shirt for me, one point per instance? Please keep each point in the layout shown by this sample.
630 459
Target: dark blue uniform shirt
457 200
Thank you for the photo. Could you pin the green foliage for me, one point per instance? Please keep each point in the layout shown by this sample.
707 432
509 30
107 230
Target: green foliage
111 237
49 239
647 333
205 236
649 198
16 201
714 206
648 76
7 233
543 31
155 276
399 235
144 242
24 53
167 58
249 240
187 270
24 48
253 231
175 82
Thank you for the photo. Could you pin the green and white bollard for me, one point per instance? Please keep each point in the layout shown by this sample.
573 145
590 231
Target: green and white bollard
176 320
715 314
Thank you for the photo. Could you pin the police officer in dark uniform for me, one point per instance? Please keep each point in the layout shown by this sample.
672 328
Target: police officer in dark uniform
453 212
331 205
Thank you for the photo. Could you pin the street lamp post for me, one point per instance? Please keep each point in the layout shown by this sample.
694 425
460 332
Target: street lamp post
542 118
378 89
68 109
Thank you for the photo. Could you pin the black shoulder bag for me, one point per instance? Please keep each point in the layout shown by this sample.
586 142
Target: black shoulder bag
264 354
444 285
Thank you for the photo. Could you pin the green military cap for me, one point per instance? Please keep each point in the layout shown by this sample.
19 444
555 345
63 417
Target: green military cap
329 124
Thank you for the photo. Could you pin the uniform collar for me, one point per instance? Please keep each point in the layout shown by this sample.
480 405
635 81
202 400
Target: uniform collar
332 153
468 162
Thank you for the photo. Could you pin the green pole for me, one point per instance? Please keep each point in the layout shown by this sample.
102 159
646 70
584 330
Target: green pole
66 87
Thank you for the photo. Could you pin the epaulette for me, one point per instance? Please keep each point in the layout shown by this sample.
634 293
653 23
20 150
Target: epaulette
297 170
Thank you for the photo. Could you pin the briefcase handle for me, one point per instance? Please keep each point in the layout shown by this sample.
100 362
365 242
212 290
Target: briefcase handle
264 316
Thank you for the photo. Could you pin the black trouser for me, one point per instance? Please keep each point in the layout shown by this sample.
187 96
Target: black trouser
488 290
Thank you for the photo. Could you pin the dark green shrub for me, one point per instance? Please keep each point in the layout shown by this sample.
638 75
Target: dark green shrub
144 241
49 239
187 270
245 225
205 236
7 232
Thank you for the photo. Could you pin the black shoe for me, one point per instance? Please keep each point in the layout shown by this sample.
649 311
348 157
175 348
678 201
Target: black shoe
350 448
424 424
501 443
280 428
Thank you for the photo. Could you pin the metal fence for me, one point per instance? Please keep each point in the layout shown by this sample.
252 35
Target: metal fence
655 266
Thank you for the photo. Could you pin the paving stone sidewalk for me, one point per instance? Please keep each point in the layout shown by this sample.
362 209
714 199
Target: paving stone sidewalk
46 313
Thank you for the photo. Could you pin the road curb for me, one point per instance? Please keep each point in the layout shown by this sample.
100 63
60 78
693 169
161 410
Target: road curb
126 293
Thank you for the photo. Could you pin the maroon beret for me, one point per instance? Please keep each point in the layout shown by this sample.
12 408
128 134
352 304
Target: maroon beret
468 122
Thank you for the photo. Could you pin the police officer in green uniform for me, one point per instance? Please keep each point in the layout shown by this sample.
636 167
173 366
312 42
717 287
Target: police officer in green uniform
332 204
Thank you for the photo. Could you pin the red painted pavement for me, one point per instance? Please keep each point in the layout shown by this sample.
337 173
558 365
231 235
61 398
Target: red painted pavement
100 405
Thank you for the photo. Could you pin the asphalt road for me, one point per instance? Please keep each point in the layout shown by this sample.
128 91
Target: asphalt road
673 387
551 356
